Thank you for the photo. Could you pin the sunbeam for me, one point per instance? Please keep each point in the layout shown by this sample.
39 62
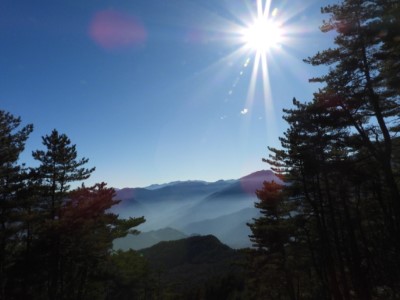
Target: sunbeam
263 35
260 36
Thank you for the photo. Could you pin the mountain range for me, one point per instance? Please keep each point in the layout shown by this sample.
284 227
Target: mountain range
183 208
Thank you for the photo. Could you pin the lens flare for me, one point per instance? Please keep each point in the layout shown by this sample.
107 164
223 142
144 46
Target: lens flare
116 30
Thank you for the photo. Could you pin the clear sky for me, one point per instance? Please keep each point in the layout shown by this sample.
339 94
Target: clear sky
153 91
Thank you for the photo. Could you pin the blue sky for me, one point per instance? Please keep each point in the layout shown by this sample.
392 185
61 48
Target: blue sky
149 89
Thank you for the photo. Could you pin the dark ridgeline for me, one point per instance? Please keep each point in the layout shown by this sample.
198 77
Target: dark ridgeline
198 267
332 232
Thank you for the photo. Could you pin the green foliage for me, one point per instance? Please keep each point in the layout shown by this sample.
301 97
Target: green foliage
130 277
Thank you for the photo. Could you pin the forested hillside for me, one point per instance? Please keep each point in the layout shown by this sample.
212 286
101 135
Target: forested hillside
197 267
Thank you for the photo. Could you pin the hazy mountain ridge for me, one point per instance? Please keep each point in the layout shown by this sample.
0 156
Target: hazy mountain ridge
224 227
246 185
147 239
159 186
221 208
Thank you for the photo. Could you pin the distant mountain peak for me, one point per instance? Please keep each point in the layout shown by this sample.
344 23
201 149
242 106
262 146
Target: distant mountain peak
259 174
247 185
254 181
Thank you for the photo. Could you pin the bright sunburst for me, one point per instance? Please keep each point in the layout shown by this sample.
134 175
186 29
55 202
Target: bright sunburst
262 35
261 38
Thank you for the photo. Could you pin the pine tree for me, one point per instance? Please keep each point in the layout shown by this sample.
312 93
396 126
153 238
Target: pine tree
271 234
59 166
86 230
362 78
12 143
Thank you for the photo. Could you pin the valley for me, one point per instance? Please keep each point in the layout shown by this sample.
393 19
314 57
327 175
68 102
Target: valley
185 208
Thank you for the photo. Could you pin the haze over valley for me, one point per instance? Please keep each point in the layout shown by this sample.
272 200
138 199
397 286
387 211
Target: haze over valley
185 208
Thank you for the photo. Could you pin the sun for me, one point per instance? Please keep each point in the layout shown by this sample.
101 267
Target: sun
262 35
259 39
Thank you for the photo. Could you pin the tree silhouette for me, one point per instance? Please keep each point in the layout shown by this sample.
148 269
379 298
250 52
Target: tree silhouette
12 175
339 159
